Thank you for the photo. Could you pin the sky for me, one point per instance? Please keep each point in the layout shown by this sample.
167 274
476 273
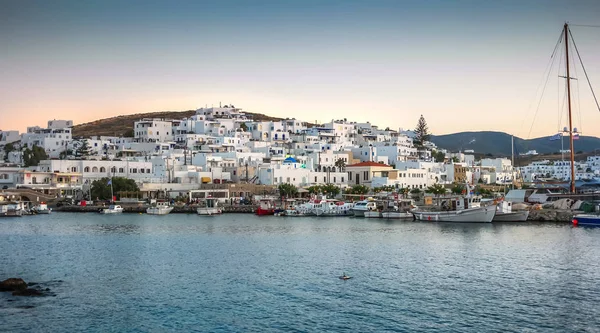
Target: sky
463 65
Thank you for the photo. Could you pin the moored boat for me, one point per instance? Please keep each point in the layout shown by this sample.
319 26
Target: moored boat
586 219
10 210
330 207
41 208
504 213
159 208
265 207
112 209
461 209
362 206
210 206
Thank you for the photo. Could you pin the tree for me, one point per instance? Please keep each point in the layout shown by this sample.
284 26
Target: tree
421 132
287 190
33 156
9 147
340 164
244 127
101 187
457 189
436 189
315 189
330 190
84 149
454 159
358 189
438 156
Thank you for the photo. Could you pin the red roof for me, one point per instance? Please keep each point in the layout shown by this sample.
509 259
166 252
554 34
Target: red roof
368 164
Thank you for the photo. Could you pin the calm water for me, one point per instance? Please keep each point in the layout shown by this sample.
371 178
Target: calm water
241 273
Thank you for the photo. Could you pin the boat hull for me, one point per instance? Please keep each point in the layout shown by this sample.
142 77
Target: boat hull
398 216
372 214
263 212
519 216
483 214
158 211
209 211
586 219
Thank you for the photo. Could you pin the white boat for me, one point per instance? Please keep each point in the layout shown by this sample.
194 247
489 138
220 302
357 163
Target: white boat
112 209
504 213
461 209
10 210
332 207
361 207
41 208
159 208
398 210
397 215
210 207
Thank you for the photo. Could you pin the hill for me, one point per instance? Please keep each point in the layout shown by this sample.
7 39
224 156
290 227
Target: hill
498 143
123 125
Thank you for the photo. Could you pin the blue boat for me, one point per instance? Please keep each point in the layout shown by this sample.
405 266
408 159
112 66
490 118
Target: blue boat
586 219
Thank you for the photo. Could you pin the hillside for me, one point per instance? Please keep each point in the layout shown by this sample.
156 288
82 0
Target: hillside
123 125
498 143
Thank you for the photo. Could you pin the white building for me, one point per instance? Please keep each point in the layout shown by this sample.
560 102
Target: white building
54 139
153 130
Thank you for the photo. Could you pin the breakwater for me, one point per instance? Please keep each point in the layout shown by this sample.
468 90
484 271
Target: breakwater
136 209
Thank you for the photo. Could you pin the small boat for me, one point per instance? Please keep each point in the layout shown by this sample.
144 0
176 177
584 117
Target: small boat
41 208
331 207
112 209
397 215
10 210
265 207
210 207
362 206
159 208
504 213
345 277
462 209
587 219
398 210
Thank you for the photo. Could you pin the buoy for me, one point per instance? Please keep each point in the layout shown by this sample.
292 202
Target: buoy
575 222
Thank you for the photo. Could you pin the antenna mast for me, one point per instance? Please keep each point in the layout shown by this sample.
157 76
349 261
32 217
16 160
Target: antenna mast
569 105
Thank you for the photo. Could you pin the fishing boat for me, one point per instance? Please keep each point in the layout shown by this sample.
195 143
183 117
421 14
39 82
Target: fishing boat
41 208
398 210
112 209
504 213
373 214
159 208
331 207
265 207
586 219
210 206
363 206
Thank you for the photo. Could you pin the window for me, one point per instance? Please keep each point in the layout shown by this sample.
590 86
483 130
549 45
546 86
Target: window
334 179
142 170
315 179
95 169
349 175
113 169
121 170
74 169
342 179
102 169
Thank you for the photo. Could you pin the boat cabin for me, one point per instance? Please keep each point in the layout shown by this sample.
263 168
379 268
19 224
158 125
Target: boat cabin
461 203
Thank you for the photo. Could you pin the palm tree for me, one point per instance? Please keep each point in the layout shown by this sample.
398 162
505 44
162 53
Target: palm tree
287 190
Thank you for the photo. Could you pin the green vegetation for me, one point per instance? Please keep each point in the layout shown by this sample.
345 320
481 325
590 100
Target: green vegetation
288 190
9 147
436 189
330 190
101 187
33 156
421 132
340 164
358 189
244 127
438 156
458 189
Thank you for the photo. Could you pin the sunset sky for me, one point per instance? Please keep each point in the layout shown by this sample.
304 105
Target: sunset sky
464 65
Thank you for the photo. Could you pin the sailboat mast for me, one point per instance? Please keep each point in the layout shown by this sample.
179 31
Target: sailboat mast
512 157
566 32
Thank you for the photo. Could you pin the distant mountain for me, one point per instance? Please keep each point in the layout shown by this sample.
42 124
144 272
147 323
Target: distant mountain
498 143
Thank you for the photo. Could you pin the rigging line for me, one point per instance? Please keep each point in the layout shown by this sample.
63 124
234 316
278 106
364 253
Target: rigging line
558 85
584 71
549 70
584 25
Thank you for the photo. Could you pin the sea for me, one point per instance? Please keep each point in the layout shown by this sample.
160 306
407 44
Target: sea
244 273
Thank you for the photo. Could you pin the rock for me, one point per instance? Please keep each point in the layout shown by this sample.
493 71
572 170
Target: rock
13 284
27 292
